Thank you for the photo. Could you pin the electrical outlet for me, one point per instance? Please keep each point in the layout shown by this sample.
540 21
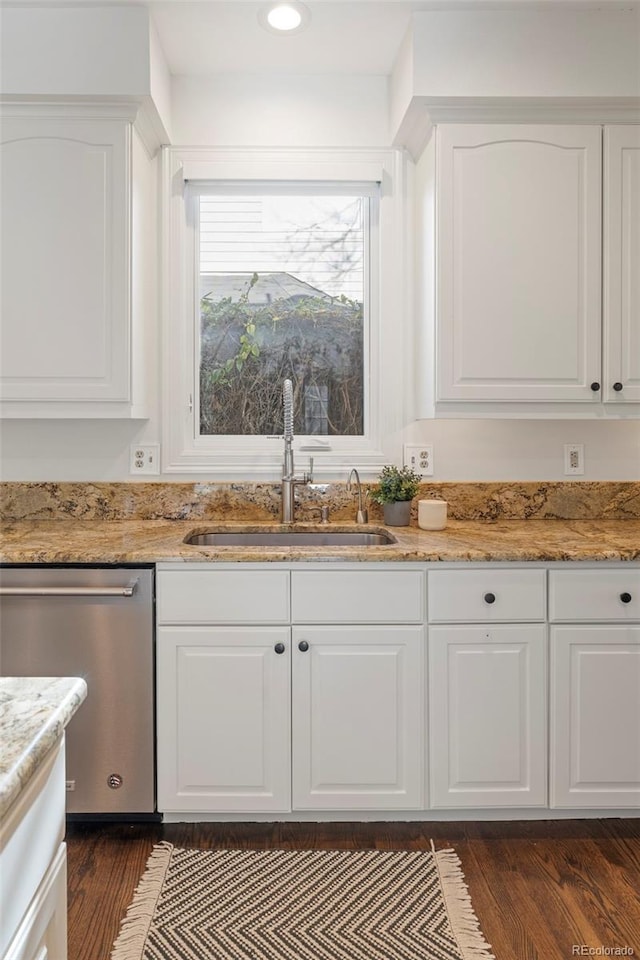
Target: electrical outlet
419 456
145 458
573 459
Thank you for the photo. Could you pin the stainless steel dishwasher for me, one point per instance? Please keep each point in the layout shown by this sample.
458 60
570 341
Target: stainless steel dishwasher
95 623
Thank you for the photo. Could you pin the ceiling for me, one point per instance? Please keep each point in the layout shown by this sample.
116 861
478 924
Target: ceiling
224 36
344 36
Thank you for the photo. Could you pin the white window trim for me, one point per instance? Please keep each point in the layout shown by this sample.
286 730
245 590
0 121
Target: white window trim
260 458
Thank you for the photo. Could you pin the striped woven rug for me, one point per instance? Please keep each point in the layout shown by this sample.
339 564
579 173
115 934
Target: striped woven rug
300 905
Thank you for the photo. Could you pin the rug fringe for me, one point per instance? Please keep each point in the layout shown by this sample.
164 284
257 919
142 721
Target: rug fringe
463 921
134 929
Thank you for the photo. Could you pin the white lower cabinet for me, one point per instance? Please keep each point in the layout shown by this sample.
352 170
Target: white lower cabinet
33 867
227 692
339 687
487 715
595 716
357 717
595 687
223 718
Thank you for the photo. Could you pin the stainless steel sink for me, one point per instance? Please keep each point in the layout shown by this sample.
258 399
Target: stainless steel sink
289 538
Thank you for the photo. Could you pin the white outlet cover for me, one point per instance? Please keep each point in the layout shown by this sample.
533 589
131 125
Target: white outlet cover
144 458
573 459
419 456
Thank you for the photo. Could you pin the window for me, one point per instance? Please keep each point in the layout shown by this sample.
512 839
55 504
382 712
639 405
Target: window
274 272
283 294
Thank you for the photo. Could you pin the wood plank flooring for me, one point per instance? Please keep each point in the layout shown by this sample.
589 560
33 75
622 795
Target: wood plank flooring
541 890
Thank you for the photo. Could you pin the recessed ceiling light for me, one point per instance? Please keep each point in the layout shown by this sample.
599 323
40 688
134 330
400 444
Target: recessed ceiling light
289 17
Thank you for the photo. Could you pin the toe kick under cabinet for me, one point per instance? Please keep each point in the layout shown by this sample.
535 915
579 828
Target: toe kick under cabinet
309 689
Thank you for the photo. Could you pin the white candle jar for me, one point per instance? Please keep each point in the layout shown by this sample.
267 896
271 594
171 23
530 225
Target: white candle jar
432 514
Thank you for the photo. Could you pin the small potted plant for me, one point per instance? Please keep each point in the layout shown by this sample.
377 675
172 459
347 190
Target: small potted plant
396 488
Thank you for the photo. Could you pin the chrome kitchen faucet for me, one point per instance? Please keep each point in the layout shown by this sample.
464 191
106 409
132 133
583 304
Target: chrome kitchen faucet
289 479
361 516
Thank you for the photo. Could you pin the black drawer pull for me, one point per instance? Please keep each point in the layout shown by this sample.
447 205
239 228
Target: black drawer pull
279 648
617 387
595 386
625 597
303 646
489 598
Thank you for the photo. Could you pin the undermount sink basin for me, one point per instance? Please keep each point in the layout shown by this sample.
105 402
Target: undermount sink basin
289 538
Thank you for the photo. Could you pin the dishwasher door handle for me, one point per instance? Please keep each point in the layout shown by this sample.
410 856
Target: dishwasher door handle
126 591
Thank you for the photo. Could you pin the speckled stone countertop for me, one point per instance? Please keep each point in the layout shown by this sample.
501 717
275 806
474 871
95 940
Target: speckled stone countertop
33 714
151 541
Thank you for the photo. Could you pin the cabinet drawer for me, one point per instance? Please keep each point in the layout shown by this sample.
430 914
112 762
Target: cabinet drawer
223 596
594 594
486 595
354 596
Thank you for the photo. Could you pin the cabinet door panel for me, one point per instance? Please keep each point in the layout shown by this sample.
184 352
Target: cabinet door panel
621 259
65 260
595 719
519 240
487 716
357 718
223 719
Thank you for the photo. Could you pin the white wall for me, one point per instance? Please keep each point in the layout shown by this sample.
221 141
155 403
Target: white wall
463 450
244 110
566 52
70 51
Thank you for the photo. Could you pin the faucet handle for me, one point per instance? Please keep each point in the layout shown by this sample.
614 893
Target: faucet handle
308 477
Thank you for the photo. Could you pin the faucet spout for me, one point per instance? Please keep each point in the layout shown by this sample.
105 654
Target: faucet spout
289 479
361 516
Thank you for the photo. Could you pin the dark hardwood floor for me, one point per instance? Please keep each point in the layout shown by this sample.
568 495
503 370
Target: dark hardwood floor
541 890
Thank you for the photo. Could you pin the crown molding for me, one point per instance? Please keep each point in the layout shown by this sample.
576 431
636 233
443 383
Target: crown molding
424 113
140 111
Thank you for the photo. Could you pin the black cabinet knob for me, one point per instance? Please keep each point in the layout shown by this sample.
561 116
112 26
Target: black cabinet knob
303 646
489 598
617 387
625 597
595 386
279 648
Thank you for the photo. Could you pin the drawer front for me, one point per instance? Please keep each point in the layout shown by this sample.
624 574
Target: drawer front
223 596
354 596
595 594
486 595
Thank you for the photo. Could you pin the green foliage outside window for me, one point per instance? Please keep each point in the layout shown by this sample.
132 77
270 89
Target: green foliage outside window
248 349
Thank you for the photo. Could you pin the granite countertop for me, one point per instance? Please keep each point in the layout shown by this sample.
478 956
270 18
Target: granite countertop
151 541
33 714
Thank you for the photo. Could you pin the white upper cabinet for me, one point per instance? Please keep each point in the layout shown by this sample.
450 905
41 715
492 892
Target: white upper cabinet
66 267
518 262
622 263
537 307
